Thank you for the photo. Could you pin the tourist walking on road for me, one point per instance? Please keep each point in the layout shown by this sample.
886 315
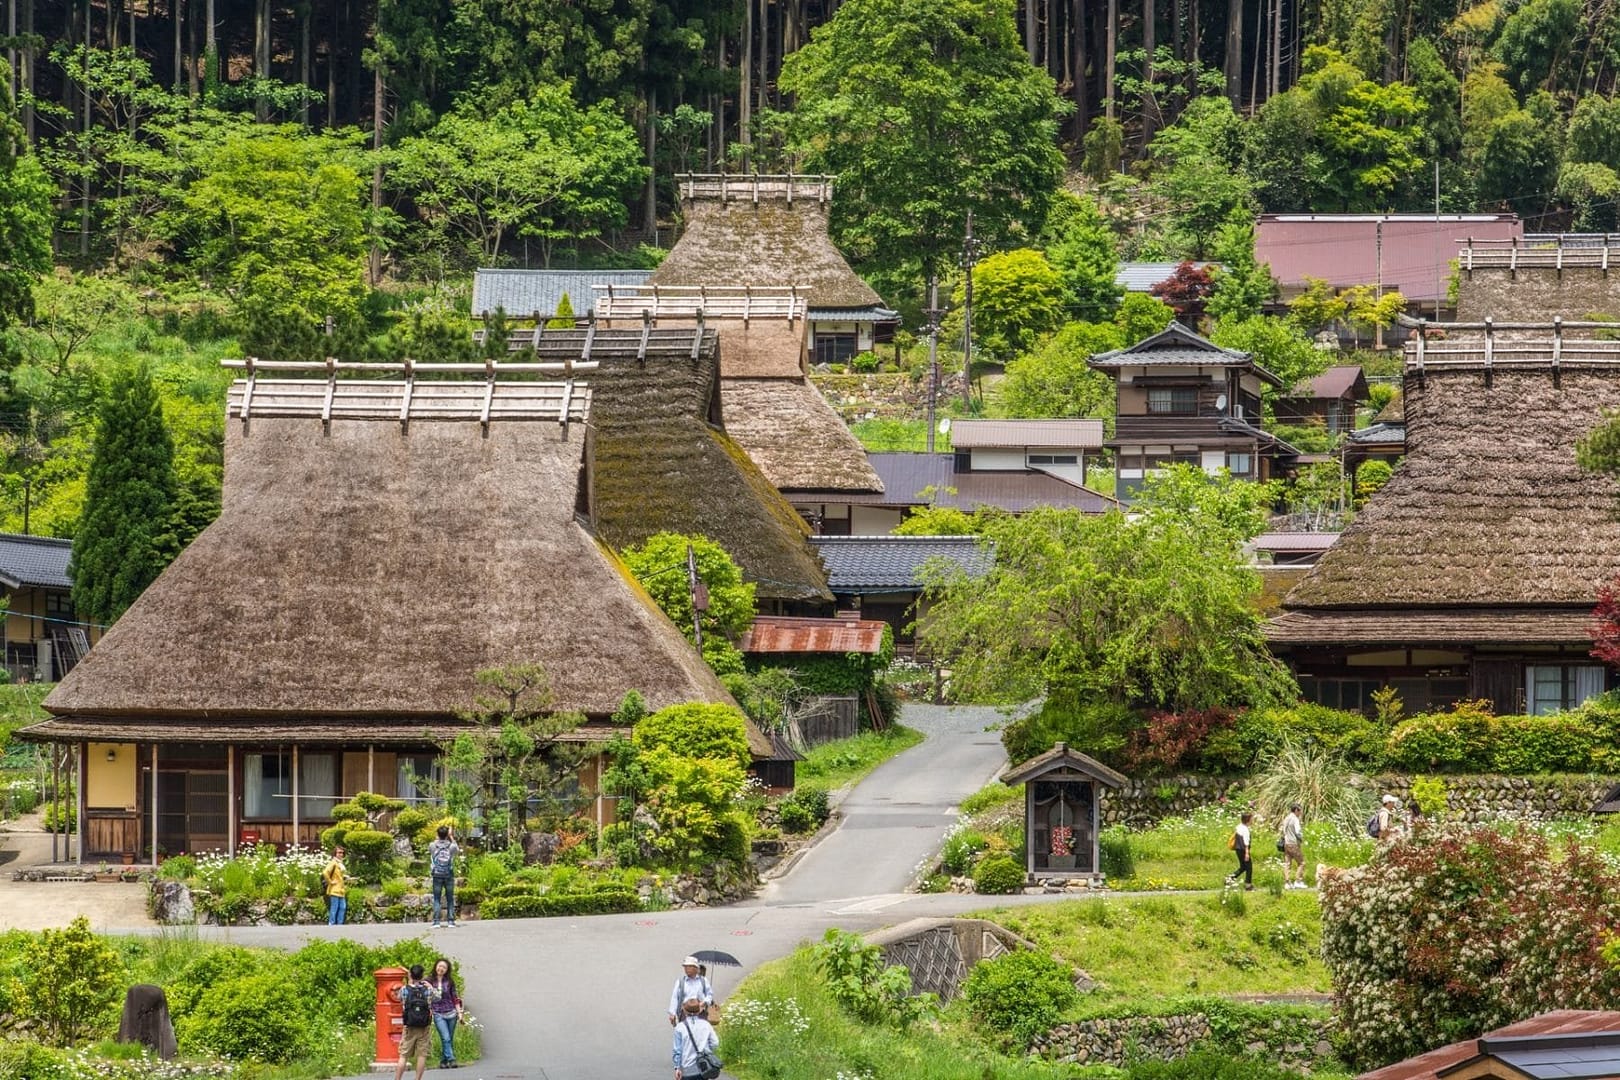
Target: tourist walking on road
692 985
446 1011
1242 847
334 879
442 862
1291 838
693 1035
416 1037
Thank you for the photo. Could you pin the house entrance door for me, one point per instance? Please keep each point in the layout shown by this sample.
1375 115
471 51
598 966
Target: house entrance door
192 811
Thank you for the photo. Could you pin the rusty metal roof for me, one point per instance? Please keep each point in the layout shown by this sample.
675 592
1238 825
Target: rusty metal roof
793 634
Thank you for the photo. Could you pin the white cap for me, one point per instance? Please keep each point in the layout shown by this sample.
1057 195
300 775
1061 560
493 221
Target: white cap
1390 800
690 961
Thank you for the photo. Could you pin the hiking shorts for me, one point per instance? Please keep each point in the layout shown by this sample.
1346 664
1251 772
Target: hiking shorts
415 1043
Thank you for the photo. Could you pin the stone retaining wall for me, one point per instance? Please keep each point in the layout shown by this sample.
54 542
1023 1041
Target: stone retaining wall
1469 798
1292 1044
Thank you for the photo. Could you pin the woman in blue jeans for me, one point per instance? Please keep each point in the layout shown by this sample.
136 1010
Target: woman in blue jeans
446 1011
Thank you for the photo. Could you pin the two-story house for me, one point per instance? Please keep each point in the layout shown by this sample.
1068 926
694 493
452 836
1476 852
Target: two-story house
1183 400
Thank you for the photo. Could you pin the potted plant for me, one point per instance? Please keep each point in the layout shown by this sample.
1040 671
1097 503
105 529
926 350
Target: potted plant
128 858
105 873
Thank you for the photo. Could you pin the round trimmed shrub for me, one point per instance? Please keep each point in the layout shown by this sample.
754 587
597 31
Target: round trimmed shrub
258 1017
410 821
998 875
1019 994
697 731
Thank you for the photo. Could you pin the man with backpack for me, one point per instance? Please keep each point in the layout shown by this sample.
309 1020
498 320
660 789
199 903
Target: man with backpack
442 862
416 1038
1385 825
691 986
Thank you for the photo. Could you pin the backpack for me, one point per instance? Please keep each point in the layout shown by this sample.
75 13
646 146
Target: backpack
1231 842
444 862
1372 826
708 1065
417 1013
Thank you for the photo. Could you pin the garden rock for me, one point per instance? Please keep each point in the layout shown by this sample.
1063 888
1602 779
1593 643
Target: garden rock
171 903
403 848
539 848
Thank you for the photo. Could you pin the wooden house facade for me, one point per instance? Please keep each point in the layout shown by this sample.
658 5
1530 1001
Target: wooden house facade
380 542
1472 574
43 638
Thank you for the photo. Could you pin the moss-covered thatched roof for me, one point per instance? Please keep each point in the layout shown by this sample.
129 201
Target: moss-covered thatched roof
1489 508
795 437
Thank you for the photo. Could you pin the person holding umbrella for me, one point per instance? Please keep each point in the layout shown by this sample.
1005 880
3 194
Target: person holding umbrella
692 985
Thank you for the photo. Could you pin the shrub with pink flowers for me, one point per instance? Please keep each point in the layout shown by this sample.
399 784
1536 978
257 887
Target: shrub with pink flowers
1461 930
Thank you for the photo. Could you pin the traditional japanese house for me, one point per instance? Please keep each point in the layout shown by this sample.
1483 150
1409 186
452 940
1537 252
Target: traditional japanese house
881 577
1472 574
1328 400
43 639
380 542
1182 399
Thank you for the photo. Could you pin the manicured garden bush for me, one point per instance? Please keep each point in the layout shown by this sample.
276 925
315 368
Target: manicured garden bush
697 731
1460 930
805 810
259 1017
71 986
596 902
998 875
1019 994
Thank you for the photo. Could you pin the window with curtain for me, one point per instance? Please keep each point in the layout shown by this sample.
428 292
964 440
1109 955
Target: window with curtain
1551 688
264 777
415 772
317 786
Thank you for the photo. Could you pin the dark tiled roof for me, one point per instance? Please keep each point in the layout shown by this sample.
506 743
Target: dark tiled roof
852 314
906 476
1379 434
1332 384
1564 1022
521 293
861 564
1177 346
34 562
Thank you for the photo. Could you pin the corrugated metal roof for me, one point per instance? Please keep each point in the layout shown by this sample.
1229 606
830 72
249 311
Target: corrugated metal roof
1408 252
1561 1022
35 562
521 293
791 634
867 564
860 314
1293 541
907 478
1332 384
1140 277
1042 434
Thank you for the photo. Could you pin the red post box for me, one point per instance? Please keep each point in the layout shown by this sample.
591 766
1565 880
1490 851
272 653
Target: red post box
390 1014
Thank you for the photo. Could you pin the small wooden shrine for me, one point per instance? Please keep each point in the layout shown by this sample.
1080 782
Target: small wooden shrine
1062 800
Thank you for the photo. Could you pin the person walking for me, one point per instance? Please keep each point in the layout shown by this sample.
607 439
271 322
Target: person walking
691 986
447 1011
692 1034
1388 820
416 1037
1292 839
442 863
1242 847
334 879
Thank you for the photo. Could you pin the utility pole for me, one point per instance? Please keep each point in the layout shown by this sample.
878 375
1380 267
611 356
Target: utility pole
933 313
970 258
1378 292
700 597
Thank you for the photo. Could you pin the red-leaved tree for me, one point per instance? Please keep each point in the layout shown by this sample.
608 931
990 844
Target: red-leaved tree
1187 290
1606 624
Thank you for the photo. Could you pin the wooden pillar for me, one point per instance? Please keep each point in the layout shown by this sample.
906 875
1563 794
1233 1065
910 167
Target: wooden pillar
230 799
56 795
371 751
601 806
78 801
1029 828
155 806
295 793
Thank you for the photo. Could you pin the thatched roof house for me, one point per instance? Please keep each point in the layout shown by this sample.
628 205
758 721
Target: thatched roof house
379 543
1473 572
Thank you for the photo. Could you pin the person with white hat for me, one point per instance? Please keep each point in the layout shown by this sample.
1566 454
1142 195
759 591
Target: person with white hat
691 984
1389 824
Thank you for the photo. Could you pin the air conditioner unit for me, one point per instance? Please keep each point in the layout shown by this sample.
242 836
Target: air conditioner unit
1237 411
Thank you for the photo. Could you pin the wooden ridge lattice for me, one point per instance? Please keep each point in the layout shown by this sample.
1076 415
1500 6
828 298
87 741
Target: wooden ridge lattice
752 187
1490 345
410 398
1541 251
592 339
743 302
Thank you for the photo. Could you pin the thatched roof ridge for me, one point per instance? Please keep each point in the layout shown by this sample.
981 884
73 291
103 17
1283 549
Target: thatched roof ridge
795 437
370 573
769 242
664 463
1489 508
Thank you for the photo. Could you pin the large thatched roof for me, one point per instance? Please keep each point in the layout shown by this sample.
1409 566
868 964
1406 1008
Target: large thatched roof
363 573
738 232
1489 508
795 437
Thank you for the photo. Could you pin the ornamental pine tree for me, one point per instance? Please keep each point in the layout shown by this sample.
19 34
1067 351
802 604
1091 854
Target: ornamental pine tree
127 531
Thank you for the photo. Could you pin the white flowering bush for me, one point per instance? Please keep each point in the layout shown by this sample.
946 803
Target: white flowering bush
1461 930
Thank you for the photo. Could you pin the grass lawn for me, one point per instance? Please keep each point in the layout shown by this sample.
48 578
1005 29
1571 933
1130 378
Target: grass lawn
1175 946
845 761
1190 852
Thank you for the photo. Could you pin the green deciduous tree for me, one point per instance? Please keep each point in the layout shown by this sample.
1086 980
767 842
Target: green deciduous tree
127 534
1197 169
1017 297
1317 308
25 220
1536 44
1521 154
1054 381
659 565
926 109
543 168
1082 247
1154 610
1276 344
1243 285
697 731
940 521
71 983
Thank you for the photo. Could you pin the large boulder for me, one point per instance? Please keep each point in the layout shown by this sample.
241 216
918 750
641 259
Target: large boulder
171 902
539 848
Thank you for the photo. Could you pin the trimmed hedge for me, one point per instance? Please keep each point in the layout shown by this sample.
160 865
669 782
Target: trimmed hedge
606 901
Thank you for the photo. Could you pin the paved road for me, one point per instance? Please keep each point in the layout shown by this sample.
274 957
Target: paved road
584 999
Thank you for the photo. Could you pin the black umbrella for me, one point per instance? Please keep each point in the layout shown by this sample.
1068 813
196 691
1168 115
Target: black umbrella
715 956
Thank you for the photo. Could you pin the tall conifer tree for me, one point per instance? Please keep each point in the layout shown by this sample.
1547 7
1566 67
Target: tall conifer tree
127 532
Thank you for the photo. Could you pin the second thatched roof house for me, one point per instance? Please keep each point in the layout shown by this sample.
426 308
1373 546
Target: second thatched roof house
380 542
1472 574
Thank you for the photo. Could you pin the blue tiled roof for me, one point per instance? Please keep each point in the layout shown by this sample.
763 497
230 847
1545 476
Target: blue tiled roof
1382 434
859 314
34 562
1142 276
864 564
524 292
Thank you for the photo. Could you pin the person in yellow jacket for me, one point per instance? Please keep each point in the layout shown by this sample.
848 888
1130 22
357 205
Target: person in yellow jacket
334 877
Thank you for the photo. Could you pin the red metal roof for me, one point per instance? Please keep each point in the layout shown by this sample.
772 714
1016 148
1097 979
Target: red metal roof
1560 1022
1343 249
792 634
